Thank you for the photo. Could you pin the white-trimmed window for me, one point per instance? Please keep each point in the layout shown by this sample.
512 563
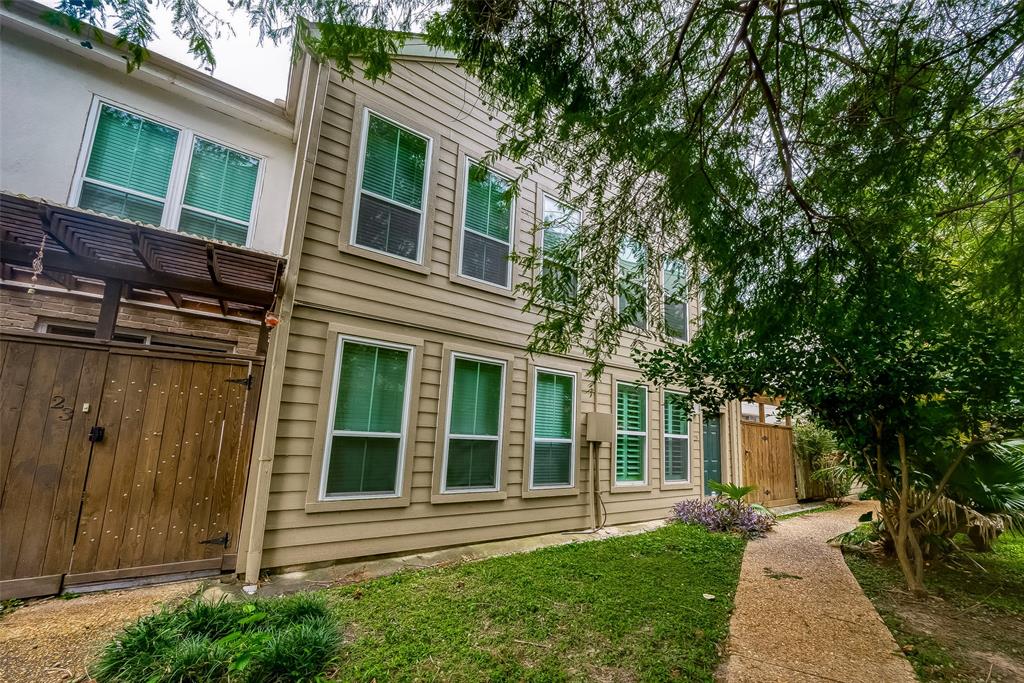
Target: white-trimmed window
488 219
472 455
390 206
155 173
677 440
559 223
554 429
630 434
370 403
677 318
632 299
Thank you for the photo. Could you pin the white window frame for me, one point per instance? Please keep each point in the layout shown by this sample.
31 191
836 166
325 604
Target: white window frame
533 433
332 432
180 167
647 441
448 436
470 162
420 248
676 437
685 302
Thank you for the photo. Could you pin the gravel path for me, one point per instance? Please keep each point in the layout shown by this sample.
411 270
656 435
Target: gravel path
54 639
801 616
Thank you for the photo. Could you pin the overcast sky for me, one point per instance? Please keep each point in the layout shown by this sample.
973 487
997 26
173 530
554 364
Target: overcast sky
241 61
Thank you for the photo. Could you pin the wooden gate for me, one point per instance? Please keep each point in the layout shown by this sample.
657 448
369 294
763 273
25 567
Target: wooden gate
768 463
119 462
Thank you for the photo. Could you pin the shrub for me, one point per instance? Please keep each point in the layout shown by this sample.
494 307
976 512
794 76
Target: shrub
277 639
724 514
816 446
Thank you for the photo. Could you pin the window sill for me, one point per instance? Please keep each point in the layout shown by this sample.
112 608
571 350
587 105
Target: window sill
381 257
677 486
341 504
437 497
551 492
482 286
630 488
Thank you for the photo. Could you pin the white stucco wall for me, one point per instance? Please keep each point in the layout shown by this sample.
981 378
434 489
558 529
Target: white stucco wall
48 86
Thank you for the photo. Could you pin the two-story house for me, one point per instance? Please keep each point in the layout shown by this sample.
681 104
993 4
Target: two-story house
402 411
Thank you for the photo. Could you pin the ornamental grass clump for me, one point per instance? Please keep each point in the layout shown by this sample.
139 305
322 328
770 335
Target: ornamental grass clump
254 641
724 514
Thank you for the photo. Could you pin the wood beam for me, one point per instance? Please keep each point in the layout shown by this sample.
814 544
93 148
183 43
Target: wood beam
21 255
108 309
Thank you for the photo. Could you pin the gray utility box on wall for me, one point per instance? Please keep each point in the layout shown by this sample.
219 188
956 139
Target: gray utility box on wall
600 427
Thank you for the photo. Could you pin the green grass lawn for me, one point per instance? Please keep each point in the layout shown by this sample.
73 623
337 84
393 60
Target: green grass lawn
969 628
629 608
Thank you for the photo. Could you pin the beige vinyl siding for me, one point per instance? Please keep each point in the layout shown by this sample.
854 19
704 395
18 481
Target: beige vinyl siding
344 289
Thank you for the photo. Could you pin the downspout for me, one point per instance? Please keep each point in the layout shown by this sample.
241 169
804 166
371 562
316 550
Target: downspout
261 471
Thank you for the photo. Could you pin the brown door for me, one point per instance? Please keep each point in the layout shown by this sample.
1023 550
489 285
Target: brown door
157 490
44 455
768 463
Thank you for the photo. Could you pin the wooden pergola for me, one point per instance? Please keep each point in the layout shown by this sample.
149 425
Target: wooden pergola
79 250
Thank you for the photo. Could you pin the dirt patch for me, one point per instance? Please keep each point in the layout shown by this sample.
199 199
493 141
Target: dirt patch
984 646
56 638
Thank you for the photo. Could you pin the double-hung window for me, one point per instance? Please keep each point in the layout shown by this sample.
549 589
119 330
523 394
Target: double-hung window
560 222
554 429
676 315
630 434
219 193
129 169
632 291
473 446
366 442
135 171
677 439
390 206
487 232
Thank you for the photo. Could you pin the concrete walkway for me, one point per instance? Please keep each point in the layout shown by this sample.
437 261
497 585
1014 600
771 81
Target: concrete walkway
801 616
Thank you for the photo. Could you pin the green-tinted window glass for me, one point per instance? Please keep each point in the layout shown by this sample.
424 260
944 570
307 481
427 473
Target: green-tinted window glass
221 180
474 425
365 446
476 398
677 419
133 154
676 316
677 441
395 162
631 437
488 203
553 407
374 378
216 228
553 429
560 222
632 292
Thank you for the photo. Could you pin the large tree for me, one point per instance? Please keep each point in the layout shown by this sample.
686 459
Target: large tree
843 179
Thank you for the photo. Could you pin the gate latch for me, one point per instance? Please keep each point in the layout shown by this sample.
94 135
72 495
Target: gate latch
223 540
96 434
244 381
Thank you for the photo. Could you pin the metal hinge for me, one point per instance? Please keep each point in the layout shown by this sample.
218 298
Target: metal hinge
244 381
223 540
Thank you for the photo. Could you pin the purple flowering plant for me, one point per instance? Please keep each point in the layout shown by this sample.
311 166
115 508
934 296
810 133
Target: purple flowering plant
721 513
